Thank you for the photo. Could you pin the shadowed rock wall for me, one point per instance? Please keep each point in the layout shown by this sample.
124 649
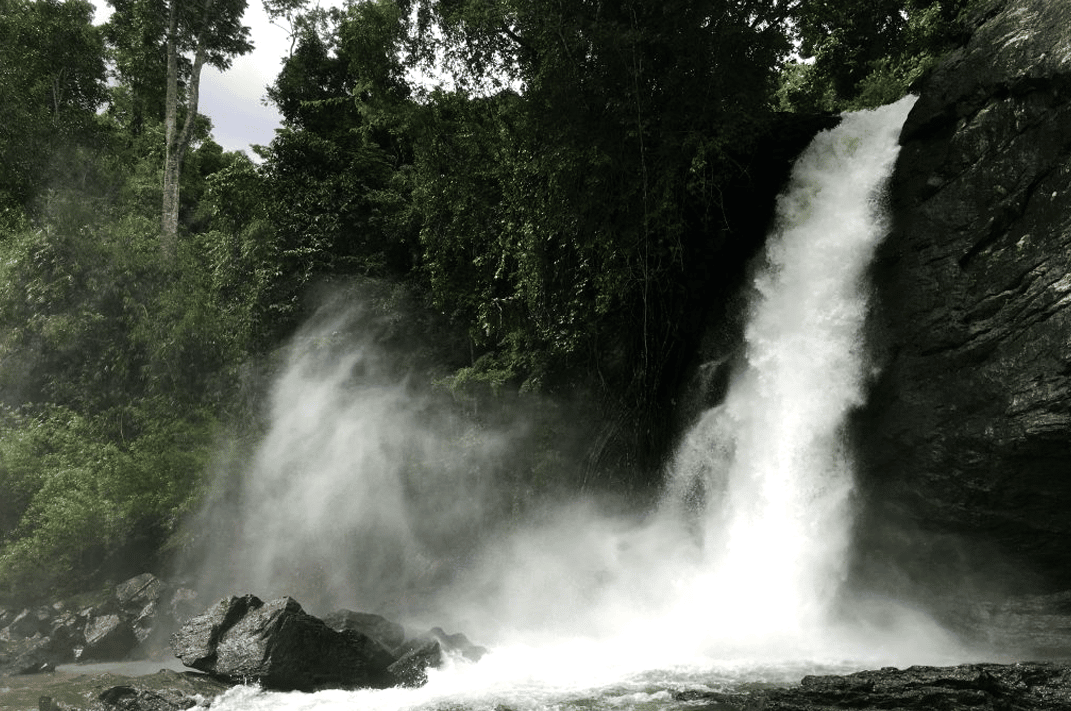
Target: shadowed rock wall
966 444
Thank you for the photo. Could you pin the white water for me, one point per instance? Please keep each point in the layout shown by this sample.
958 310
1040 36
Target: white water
736 578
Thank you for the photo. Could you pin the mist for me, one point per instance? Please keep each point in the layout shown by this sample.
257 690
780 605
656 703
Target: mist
376 490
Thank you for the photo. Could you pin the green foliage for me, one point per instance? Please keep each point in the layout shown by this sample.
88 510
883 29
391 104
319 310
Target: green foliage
51 84
559 224
109 360
92 496
93 318
560 199
863 54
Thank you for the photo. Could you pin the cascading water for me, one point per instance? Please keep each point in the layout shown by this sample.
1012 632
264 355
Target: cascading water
734 578
774 477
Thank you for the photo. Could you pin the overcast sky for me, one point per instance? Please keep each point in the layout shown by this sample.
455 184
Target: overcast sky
234 99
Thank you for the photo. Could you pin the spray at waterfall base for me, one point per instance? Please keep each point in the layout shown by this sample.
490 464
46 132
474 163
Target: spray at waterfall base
370 492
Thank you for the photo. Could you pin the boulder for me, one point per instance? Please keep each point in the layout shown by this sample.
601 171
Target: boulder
129 698
108 638
429 650
26 624
965 443
36 657
389 634
411 669
279 646
137 593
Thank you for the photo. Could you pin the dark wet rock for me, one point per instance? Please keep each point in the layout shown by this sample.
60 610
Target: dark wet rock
145 622
67 634
279 646
129 698
1018 626
26 623
45 653
108 638
411 669
427 651
986 687
389 634
195 643
452 644
965 445
139 592
38 657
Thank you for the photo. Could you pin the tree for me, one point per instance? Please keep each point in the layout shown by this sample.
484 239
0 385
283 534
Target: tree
619 145
864 53
51 84
186 35
212 31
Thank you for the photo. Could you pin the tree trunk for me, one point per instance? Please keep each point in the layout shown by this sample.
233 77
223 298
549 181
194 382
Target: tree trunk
177 143
169 214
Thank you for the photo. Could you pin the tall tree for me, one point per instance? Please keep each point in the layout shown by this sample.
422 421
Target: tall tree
212 31
183 35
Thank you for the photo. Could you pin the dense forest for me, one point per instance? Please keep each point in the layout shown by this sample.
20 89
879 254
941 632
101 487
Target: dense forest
560 202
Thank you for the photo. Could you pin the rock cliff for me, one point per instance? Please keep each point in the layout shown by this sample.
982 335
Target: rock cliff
965 448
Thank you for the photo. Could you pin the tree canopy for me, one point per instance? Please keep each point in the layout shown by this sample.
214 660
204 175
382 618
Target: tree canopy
566 184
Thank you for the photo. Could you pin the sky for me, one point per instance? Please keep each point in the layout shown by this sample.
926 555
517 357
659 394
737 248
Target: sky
235 99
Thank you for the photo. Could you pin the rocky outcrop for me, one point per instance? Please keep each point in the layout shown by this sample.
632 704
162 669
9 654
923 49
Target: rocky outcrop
280 646
986 687
389 634
966 444
123 622
428 651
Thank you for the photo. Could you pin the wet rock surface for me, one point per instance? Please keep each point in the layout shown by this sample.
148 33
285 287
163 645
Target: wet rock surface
127 621
965 447
389 634
280 646
985 687
427 651
165 690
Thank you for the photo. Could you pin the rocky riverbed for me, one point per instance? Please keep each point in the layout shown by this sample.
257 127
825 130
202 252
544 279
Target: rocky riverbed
55 657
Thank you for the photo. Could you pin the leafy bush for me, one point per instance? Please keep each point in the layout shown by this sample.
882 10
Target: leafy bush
93 498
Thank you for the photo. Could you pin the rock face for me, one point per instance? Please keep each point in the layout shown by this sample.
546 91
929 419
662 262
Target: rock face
278 645
966 444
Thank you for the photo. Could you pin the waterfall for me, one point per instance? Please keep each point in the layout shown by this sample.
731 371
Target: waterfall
767 472
733 577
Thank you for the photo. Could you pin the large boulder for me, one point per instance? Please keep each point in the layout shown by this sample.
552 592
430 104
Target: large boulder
137 593
429 651
389 634
130 698
279 646
965 446
108 638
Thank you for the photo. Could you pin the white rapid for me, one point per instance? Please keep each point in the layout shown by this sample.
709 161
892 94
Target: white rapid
736 578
